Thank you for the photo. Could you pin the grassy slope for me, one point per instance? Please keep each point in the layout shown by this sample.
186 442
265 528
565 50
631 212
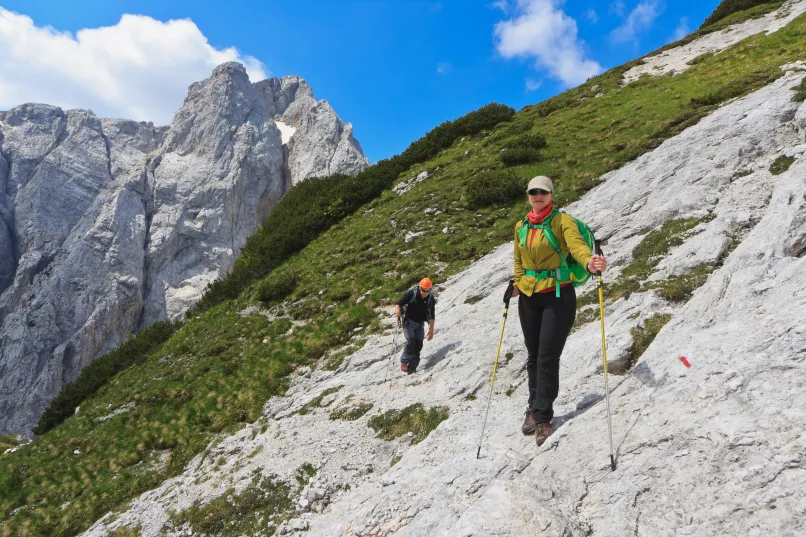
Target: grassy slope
215 373
729 8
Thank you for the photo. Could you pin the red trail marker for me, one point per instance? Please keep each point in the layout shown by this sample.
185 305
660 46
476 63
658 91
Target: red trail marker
685 361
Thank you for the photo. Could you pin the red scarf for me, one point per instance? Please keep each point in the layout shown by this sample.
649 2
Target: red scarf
537 218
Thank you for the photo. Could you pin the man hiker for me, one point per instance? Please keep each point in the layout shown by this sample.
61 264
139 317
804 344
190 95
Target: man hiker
416 307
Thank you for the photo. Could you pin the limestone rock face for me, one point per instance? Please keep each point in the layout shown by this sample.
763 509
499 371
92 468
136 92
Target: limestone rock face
717 448
108 225
319 127
216 177
321 144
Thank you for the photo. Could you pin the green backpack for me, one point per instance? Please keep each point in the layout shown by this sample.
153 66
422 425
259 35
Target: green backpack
570 269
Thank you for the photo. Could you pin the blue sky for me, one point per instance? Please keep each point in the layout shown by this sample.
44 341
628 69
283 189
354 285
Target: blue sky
395 69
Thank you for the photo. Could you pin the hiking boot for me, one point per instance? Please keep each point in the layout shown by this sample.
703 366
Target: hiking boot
528 427
542 432
404 367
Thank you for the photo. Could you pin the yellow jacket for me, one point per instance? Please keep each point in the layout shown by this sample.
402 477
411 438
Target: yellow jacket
541 256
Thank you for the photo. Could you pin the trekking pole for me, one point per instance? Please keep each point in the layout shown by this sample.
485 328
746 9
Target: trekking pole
394 349
598 246
507 297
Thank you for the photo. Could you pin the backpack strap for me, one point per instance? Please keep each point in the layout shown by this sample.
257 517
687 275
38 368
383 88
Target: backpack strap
429 300
561 273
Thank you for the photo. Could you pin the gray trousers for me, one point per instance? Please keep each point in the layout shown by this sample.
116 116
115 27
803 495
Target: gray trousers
415 334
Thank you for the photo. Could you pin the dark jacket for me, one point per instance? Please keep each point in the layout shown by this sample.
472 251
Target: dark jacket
420 310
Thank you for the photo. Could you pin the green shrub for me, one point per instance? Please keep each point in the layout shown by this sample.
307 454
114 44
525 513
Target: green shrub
781 165
516 156
493 188
312 206
276 286
414 419
528 141
520 126
133 351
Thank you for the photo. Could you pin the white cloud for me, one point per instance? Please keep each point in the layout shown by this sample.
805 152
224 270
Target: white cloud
503 5
682 30
443 67
640 19
543 32
618 7
532 85
138 69
591 15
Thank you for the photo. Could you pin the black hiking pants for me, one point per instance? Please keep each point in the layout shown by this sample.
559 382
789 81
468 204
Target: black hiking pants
415 334
546 321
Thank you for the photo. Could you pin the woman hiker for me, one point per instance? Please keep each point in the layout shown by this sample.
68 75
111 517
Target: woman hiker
547 307
417 308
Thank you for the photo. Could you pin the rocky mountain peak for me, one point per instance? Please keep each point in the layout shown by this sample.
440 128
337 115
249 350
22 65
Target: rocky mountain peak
131 222
280 93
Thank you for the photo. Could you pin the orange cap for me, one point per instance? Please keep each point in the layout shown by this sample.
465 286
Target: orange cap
425 283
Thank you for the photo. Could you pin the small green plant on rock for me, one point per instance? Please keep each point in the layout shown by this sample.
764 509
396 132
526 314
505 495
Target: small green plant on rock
680 288
351 413
261 505
800 92
305 473
122 531
781 165
316 401
414 419
643 336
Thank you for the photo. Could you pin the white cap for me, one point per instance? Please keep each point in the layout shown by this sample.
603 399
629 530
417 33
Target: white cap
542 182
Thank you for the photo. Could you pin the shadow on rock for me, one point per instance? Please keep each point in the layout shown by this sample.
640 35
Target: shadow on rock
583 406
435 358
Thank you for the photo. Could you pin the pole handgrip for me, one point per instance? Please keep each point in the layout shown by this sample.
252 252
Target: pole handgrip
508 292
597 249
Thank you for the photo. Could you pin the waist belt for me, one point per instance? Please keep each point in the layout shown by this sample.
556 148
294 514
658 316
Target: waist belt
560 274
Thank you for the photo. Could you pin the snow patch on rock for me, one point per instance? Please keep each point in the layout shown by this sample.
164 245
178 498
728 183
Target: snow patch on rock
286 131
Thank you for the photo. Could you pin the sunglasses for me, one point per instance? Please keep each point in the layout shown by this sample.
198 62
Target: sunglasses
538 191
